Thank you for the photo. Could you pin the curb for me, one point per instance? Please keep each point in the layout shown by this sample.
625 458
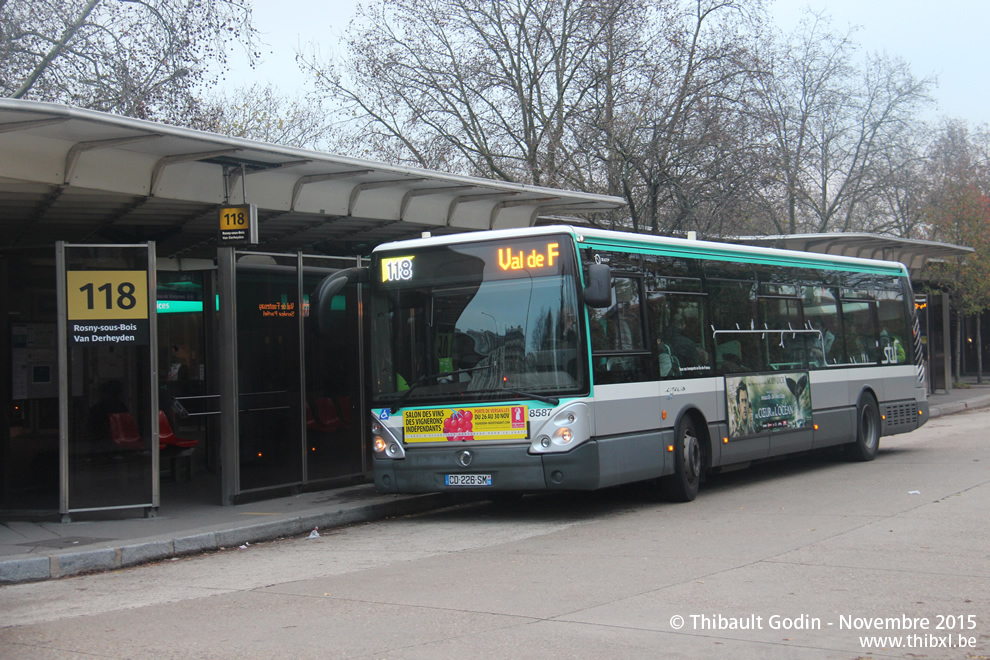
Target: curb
32 568
959 406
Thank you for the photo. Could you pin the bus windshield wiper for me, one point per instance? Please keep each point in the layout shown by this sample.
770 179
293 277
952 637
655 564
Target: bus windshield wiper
427 377
552 400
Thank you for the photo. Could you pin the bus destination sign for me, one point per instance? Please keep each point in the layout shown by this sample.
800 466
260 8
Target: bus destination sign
397 269
490 260
509 259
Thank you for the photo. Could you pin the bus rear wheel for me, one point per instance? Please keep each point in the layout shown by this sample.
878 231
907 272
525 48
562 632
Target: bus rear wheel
867 430
682 486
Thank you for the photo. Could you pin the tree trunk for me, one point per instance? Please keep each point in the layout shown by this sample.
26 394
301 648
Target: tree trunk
979 349
957 349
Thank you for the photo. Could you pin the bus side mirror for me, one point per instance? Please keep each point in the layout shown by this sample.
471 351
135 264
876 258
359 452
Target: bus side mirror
598 291
328 288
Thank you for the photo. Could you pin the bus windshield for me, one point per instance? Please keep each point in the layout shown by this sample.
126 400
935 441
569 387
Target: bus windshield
454 324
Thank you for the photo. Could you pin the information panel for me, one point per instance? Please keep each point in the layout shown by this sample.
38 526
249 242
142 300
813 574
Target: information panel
108 306
106 375
238 225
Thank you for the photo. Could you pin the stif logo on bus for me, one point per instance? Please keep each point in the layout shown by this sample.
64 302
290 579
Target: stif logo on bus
509 261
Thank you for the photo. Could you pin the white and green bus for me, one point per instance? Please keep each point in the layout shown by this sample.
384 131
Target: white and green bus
571 358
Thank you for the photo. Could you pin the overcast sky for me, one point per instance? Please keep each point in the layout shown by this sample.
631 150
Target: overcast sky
947 38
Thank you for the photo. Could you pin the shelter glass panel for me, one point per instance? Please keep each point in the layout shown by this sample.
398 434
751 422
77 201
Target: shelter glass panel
29 458
110 450
182 359
268 377
333 379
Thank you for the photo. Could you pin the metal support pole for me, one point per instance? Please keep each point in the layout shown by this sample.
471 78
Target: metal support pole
946 342
63 384
229 417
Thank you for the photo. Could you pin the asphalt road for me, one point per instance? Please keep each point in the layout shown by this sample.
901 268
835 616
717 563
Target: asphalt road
810 557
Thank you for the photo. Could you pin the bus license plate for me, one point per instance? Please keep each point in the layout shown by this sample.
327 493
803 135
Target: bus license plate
467 480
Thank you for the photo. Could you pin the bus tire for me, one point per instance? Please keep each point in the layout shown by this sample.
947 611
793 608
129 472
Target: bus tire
867 430
682 486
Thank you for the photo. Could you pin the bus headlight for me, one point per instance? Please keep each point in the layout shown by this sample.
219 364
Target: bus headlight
562 430
385 442
563 436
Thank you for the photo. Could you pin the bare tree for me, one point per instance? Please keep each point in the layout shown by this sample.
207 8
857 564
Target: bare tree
681 132
627 97
263 113
480 86
142 58
836 125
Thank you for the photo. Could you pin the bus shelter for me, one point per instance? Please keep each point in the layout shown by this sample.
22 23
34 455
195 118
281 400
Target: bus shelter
227 392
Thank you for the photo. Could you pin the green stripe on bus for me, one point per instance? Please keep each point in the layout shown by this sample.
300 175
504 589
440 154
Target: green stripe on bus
716 254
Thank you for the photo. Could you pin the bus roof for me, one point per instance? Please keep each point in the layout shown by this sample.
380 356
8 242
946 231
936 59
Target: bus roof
618 241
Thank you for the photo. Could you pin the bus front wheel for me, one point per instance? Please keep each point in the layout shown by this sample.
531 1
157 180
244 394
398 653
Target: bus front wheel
867 430
682 486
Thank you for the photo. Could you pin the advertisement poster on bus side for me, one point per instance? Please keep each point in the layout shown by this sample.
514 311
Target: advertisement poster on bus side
465 424
761 403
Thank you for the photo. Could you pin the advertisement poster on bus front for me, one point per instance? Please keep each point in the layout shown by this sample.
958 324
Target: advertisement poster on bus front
465 424
762 403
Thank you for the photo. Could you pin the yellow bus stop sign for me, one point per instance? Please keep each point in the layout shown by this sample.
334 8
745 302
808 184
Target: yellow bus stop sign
106 294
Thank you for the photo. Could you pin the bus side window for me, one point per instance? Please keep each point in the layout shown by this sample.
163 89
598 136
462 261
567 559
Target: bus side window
738 343
822 315
685 334
658 304
618 351
787 349
893 327
618 328
860 331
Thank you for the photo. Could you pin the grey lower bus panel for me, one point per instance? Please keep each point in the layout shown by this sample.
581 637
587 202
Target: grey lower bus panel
744 450
634 457
591 465
424 468
835 427
903 416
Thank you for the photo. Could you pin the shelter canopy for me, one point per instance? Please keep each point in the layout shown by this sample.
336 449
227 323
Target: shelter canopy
913 253
84 176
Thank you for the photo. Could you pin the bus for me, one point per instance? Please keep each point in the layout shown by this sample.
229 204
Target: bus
571 358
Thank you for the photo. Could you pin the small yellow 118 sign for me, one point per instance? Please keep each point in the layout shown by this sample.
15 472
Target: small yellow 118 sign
238 225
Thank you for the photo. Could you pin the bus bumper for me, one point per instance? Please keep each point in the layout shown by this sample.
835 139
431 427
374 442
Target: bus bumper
512 468
923 414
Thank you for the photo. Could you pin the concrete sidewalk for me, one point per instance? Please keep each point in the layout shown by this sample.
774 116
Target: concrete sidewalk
31 551
970 395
